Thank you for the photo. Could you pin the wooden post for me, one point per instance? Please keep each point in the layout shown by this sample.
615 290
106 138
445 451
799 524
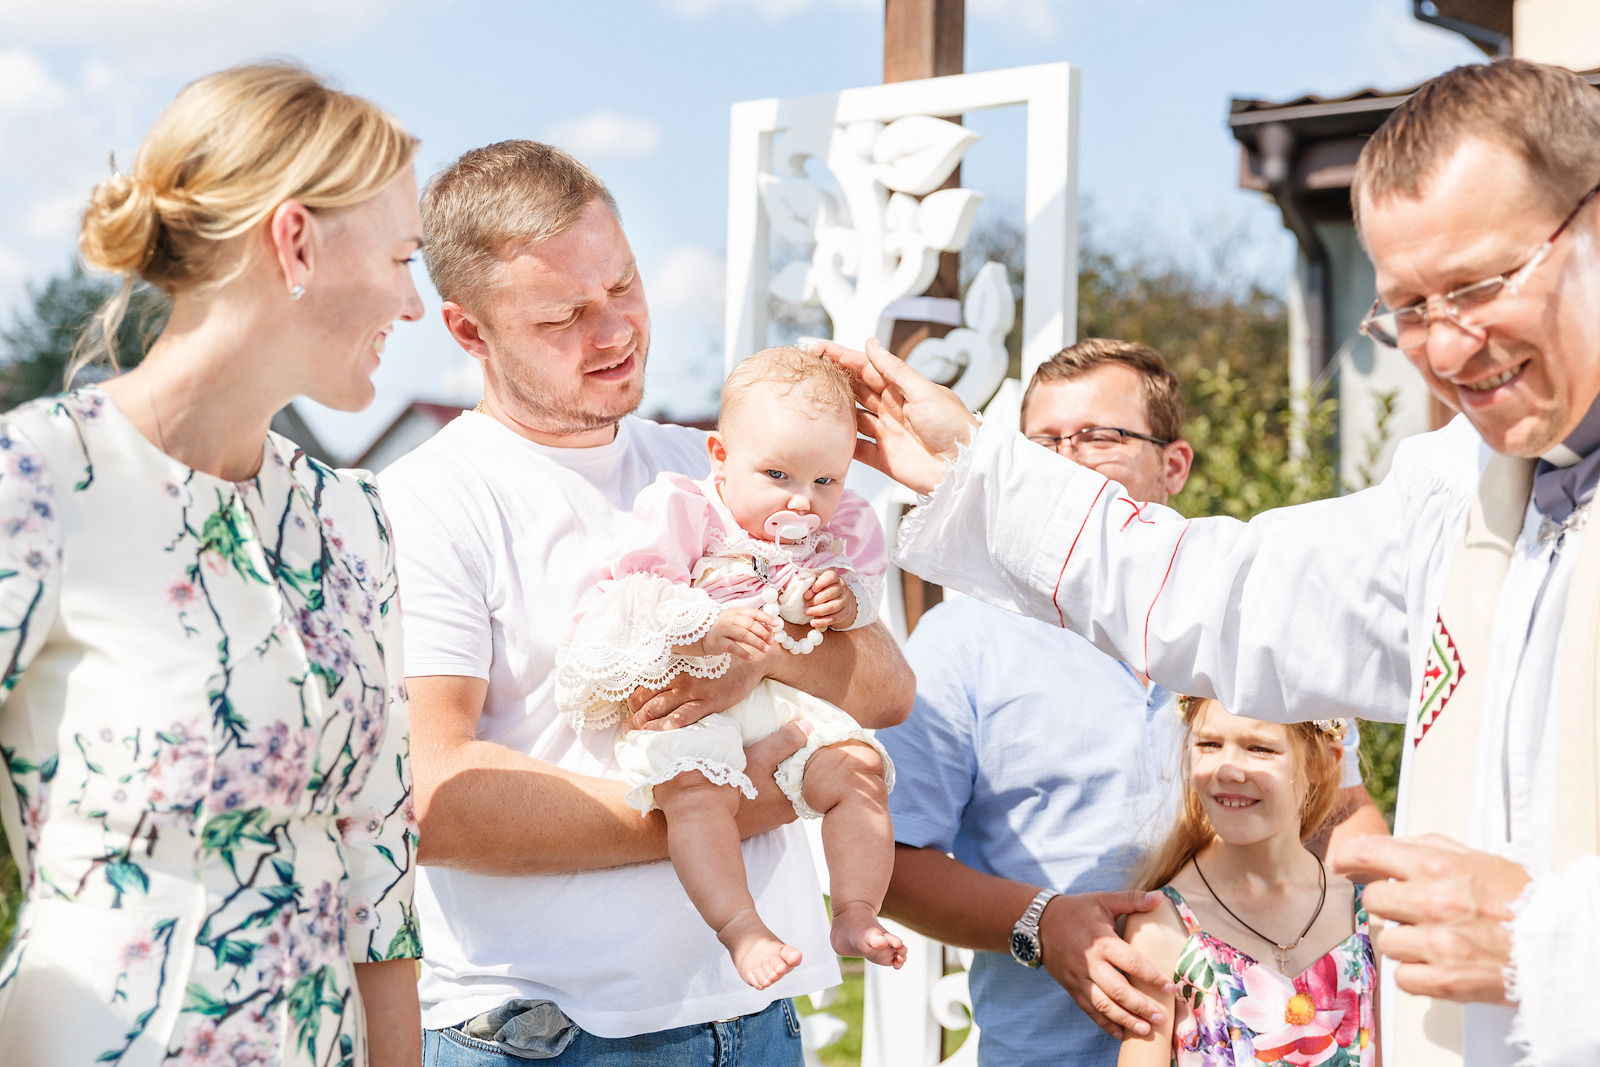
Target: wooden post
925 39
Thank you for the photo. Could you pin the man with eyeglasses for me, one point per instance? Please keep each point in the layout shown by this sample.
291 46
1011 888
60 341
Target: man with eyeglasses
1034 766
1460 596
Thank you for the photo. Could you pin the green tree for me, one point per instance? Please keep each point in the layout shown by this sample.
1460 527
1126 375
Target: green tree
36 348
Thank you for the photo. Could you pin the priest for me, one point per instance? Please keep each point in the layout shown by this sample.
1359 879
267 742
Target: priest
1460 596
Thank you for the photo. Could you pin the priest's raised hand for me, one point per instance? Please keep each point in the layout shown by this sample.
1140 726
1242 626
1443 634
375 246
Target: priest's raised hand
915 427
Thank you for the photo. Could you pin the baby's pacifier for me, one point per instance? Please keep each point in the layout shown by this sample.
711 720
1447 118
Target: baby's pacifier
790 525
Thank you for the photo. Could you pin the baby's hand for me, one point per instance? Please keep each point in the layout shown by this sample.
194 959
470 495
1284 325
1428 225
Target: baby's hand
830 603
745 632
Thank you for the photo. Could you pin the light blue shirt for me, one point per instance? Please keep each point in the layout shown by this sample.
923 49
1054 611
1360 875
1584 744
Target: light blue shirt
1033 756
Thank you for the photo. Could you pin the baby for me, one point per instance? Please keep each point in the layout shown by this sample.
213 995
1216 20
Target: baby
714 569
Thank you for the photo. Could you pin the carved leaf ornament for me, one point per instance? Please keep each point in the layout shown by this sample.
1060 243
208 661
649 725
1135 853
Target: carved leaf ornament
881 243
972 360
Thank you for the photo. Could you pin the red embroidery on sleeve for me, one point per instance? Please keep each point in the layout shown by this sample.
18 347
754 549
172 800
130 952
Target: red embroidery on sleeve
1138 513
1057 590
1157 597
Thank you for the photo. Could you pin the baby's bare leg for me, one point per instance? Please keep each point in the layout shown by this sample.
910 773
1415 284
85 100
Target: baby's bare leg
845 783
703 841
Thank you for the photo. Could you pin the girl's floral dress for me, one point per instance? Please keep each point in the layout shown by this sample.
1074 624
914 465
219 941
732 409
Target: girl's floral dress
204 732
1235 1012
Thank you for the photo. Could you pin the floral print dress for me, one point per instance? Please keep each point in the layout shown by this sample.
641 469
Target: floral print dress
203 730
1235 1012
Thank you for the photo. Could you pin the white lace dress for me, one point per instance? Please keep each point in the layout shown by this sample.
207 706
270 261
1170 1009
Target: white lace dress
688 562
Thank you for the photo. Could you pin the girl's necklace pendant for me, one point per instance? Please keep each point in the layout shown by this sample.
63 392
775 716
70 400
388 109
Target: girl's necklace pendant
1283 958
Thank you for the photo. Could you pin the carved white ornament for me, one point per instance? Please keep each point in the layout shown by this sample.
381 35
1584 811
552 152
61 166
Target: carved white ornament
875 244
891 247
972 358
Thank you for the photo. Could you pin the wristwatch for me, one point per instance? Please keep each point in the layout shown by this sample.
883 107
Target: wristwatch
1025 946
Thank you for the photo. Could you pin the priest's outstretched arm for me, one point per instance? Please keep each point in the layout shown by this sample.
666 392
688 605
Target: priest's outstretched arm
1298 614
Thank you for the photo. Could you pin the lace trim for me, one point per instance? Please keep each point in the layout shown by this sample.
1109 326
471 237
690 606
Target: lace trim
742 544
626 641
868 591
642 796
911 525
791 773
1555 933
1523 1029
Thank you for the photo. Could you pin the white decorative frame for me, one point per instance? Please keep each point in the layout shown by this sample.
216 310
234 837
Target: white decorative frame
906 1009
1049 92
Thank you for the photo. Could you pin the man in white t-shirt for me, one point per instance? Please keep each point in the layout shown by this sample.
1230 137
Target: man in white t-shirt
552 923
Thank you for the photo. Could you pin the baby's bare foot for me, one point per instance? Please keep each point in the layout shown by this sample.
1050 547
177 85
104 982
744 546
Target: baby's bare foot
758 955
856 932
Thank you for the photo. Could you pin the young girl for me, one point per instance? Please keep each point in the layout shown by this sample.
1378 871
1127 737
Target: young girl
1269 950
714 569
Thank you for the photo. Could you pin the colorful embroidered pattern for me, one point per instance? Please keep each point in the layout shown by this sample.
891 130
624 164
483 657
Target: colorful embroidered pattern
1441 674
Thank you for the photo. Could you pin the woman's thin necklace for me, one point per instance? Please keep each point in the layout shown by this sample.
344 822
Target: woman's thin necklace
1280 951
149 391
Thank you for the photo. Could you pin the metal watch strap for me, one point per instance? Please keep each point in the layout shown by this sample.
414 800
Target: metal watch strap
1026 946
1030 918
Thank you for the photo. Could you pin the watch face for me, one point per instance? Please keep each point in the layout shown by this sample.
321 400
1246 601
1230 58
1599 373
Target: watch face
1024 949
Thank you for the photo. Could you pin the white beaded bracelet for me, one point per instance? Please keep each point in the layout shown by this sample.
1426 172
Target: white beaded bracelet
801 647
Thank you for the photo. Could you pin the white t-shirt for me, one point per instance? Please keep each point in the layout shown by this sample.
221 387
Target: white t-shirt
497 539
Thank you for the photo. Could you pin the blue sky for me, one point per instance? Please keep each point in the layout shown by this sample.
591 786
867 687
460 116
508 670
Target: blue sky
641 89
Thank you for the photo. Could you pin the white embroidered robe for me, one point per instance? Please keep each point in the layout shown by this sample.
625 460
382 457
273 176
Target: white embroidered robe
1308 612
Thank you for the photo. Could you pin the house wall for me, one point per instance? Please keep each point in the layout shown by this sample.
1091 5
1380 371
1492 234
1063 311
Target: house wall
1564 32
1361 372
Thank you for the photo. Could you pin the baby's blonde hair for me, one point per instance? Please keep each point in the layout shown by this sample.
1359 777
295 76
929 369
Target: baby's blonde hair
786 368
224 154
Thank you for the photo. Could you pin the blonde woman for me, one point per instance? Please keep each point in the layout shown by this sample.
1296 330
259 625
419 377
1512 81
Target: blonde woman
204 722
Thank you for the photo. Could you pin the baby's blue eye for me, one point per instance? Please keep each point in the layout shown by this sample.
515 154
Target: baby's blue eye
776 475
824 481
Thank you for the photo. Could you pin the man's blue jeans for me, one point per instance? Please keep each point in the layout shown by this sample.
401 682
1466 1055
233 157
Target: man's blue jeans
769 1038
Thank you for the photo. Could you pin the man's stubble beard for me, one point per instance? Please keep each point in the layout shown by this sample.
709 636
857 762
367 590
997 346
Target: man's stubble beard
536 405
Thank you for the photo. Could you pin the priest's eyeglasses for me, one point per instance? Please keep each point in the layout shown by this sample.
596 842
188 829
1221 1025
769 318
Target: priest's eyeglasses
1471 307
1094 441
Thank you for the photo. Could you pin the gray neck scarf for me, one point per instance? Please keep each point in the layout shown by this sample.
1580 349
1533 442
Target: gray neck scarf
1565 479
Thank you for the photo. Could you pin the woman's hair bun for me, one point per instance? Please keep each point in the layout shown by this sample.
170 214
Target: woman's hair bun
120 226
216 164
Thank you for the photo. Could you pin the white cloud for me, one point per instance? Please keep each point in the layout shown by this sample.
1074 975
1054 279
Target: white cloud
689 280
768 8
13 268
605 133
186 35
53 216
1038 18
26 83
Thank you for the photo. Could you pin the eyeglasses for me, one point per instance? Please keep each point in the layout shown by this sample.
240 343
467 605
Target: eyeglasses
1471 307
1094 441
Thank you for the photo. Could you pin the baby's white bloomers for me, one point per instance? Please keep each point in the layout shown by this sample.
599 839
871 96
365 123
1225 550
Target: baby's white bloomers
626 637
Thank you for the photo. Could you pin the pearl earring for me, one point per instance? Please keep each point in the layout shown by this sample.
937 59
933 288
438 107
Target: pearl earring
297 292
